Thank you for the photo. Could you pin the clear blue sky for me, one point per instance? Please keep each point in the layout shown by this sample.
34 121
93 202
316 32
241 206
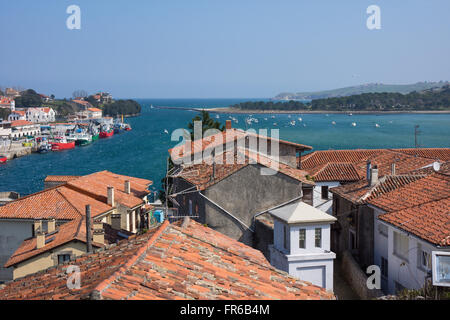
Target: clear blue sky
226 48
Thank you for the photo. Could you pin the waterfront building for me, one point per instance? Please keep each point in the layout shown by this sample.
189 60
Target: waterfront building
155 265
117 200
40 115
94 113
24 128
301 245
17 115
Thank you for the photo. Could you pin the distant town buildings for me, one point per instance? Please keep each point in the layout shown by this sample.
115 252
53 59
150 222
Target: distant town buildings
24 128
7 103
17 115
40 115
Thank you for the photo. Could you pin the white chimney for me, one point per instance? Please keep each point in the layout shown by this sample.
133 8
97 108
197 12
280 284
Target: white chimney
393 169
374 176
127 187
110 199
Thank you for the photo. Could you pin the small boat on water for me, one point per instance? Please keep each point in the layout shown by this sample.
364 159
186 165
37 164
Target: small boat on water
377 125
3 159
126 127
44 148
292 123
333 122
354 124
106 132
61 143
83 139
300 119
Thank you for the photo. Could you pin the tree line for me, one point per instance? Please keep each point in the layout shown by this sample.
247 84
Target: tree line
431 99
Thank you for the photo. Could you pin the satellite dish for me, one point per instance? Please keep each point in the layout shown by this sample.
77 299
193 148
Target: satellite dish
436 166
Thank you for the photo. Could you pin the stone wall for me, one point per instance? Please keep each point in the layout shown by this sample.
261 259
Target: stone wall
357 278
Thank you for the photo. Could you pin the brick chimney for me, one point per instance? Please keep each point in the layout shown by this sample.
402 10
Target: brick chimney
110 199
228 125
373 176
40 240
51 225
99 233
127 187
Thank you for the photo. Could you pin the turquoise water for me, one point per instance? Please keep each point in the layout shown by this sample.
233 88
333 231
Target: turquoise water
142 152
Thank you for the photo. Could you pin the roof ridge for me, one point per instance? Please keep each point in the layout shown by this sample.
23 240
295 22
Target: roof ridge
103 285
70 203
268 266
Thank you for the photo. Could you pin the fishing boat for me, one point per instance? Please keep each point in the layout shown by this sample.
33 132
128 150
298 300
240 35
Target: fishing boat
106 132
44 148
83 139
3 159
126 127
61 143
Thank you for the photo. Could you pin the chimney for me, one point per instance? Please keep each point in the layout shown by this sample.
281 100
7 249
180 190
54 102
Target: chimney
40 240
373 176
110 199
393 169
127 187
99 233
37 227
228 125
88 229
368 170
51 225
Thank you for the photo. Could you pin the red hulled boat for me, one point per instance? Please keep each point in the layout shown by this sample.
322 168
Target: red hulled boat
106 134
61 143
3 159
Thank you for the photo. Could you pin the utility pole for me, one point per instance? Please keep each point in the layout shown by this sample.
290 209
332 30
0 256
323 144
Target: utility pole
416 133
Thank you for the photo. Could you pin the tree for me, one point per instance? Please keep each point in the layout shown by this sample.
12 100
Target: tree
52 96
28 99
207 123
79 94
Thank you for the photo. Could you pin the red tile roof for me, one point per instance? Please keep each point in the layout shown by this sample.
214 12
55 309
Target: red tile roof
95 109
172 262
96 185
222 138
429 221
200 175
73 230
82 102
22 113
20 123
430 188
350 165
61 203
442 154
360 192
60 178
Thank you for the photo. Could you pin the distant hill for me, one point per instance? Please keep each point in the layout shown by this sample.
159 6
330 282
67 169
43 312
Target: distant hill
364 88
434 99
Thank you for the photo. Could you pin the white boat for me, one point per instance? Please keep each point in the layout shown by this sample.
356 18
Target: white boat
217 116
265 119
377 125
300 119
354 124
350 114
165 131
292 123
274 123
333 122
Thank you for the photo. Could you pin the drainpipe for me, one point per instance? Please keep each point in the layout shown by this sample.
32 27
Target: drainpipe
88 229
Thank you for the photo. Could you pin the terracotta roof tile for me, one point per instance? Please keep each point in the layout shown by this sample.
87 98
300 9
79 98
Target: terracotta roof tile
60 178
21 123
429 221
194 262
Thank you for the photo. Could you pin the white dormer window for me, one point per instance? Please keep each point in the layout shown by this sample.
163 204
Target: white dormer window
318 237
302 238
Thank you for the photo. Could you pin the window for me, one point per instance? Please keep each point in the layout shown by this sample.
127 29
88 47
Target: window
318 237
383 229
384 267
423 258
302 238
63 258
324 192
190 207
401 245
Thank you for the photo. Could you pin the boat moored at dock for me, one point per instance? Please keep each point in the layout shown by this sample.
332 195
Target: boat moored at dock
61 143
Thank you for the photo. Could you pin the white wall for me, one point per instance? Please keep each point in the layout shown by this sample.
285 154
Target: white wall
407 272
310 264
12 234
323 204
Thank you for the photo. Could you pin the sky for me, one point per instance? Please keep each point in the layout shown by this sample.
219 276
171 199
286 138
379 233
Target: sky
220 49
